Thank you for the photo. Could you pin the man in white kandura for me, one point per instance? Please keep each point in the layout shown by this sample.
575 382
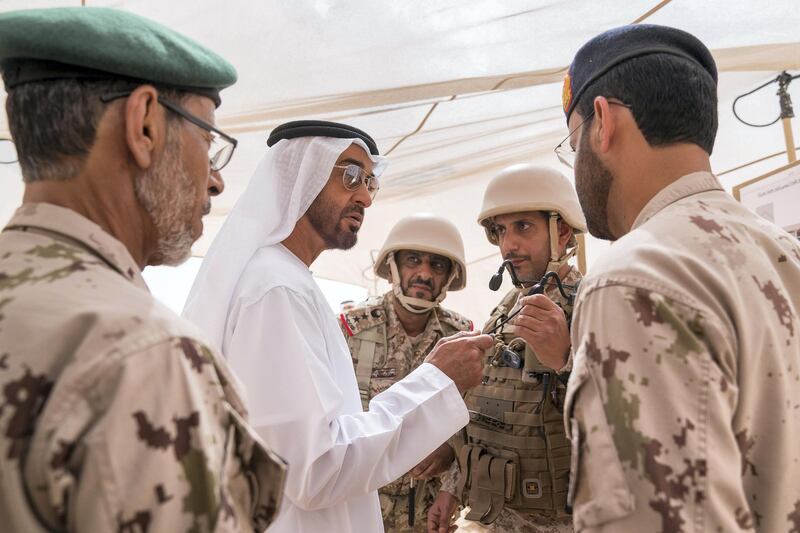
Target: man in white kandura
257 300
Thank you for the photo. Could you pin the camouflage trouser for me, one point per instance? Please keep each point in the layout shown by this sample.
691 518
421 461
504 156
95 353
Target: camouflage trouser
510 521
394 509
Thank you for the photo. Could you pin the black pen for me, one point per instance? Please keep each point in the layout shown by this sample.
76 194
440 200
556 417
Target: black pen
412 493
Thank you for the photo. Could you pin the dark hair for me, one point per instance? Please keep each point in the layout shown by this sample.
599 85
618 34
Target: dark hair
53 123
672 99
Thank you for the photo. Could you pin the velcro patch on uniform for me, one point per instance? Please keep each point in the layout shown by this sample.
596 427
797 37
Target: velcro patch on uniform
362 318
531 488
384 373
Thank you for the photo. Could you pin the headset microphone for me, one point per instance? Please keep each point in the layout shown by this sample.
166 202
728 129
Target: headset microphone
497 279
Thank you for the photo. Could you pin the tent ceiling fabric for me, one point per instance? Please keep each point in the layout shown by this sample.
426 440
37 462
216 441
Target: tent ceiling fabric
492 70
744 58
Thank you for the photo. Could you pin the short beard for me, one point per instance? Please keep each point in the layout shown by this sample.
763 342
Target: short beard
538 267
326 219
407 289
165 193
593 185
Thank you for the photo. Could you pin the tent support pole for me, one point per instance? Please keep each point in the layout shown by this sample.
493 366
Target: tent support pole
581 238
787 113
789 138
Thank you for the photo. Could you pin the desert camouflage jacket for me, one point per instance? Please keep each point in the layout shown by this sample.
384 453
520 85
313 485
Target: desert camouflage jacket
684 400
395 358
114 415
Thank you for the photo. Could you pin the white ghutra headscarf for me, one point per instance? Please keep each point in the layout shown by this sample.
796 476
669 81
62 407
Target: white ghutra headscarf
285 183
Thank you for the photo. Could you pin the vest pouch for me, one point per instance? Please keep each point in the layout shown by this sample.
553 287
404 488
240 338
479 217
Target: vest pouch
524 489
541 463
492 481
532 369
511 481
532 487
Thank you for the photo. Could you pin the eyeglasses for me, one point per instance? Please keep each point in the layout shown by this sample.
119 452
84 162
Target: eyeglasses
8 152
222 145
566 154
353 176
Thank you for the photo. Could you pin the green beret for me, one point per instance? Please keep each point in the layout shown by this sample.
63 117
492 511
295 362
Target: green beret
103 43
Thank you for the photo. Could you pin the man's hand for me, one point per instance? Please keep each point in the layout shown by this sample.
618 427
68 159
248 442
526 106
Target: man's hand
543 325
461 357
437 462
440 513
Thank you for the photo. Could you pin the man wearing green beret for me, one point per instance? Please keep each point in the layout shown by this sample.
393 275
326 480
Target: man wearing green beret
115 414
682 405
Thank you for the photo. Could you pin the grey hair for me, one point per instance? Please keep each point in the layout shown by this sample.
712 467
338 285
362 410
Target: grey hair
54 123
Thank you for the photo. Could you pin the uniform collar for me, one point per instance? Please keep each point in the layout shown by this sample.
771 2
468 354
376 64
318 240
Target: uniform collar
571 277
66 222
688 185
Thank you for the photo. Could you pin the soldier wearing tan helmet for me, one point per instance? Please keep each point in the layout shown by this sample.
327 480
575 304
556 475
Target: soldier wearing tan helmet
513 457
389 336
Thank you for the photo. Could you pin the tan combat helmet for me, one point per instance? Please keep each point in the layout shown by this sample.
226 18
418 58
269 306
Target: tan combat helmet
525 187
423 232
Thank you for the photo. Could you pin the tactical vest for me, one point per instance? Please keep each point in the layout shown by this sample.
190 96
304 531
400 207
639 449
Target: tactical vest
365 328
366 335
515 451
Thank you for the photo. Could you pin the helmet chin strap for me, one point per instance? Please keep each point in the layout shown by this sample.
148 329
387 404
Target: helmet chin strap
417 306
556 261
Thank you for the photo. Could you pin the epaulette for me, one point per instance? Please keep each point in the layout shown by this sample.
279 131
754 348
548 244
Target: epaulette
366 316
455 320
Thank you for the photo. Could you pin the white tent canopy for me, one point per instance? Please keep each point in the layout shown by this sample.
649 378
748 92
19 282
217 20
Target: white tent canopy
454 90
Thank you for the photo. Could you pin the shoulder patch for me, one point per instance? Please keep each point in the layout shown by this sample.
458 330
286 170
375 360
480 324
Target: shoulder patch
362 318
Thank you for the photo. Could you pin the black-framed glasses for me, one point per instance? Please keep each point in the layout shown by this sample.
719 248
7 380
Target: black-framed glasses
8 151
353 176
222 145
566 153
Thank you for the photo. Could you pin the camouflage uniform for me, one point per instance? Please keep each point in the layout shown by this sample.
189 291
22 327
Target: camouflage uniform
684 400
554 455
113 415
375 323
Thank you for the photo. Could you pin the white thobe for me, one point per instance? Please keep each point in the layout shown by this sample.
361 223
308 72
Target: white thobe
283 341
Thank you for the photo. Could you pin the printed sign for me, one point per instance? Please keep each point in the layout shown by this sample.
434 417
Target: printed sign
775 196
